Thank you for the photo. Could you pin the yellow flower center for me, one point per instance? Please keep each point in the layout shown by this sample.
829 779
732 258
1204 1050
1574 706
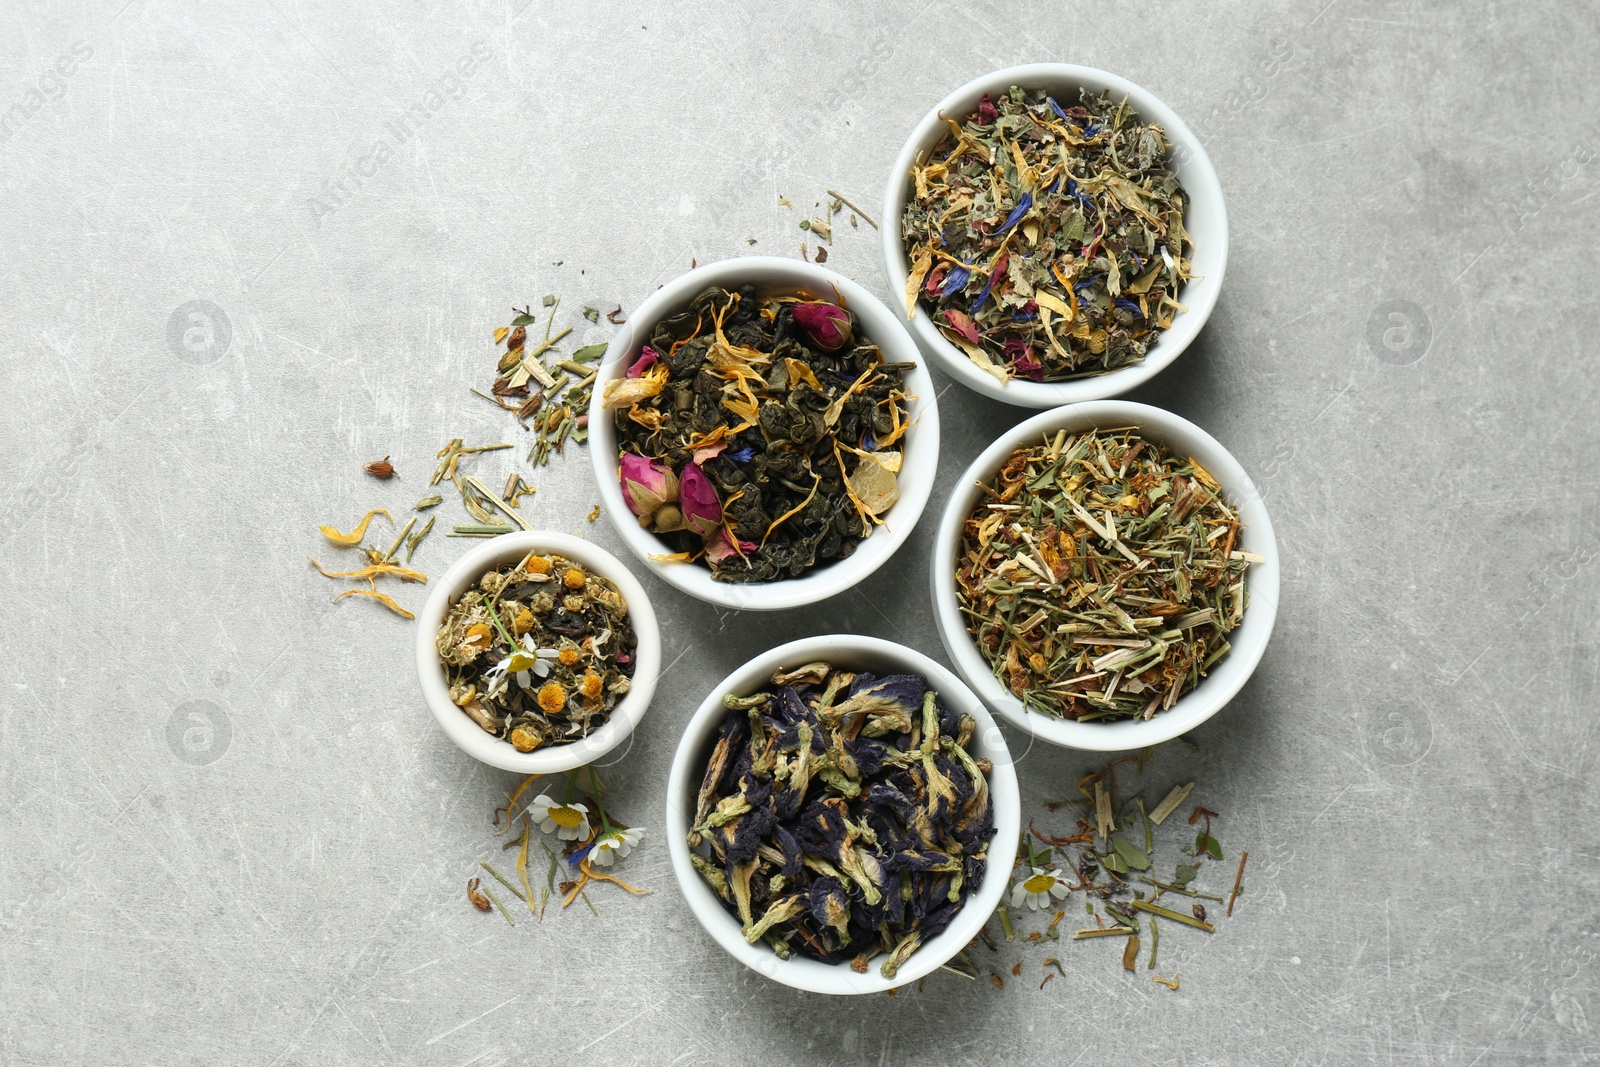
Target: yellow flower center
574 578
552 698
569 656
591 685
520 661
1039 883
536 565
566 817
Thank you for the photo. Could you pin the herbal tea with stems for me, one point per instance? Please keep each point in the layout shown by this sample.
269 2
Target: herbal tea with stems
1100 575
538 652
1047 241
759 434
843 815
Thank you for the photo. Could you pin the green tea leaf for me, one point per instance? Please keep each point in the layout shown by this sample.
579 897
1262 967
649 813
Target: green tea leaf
588 353
522 320
1204 842
1131 854
1114 862
1185 875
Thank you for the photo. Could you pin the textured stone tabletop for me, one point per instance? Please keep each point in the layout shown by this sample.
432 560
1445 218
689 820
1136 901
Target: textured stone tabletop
249 247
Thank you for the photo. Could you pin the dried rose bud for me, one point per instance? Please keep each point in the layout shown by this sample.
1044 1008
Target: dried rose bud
380 468
986 110
1020 353
647 358
702 510
828 325
651 490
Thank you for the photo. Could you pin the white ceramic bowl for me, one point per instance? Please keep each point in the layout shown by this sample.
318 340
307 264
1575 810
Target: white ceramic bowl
468 735
1249 639
921 442
688 771
1206 219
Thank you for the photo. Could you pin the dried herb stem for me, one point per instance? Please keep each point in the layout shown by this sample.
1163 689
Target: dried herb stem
1236 880
1168 913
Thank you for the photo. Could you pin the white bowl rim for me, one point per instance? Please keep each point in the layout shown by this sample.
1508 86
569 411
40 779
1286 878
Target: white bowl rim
921 451
1005 797
1249 640
470 737
1200 294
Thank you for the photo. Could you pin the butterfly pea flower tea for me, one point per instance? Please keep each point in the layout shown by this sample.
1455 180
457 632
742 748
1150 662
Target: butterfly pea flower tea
1100 576
1045 237
538 652
760 436
842 815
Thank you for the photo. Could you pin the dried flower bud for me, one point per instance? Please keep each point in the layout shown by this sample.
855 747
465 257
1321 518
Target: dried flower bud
380 468
647 358
650 490
827 325
702 510
517 338
475 895
987 113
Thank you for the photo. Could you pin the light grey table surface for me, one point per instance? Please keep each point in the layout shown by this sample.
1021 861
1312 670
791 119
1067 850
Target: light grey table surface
231 833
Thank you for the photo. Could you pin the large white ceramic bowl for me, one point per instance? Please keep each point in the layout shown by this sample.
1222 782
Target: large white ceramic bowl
468 735
1248 640
1206 219
688 771
921 442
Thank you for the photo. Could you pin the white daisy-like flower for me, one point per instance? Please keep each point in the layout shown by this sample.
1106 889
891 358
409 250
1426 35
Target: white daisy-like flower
615 845
569 822
1038 888
524 664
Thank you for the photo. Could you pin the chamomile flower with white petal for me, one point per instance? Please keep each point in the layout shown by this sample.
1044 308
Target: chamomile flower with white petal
524 664
1038 888
614 845
569 822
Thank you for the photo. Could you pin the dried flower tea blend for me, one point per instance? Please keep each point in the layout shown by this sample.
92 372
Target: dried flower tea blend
1047 241
761 435
842 815
1110 857
585 833
1099 575
538 652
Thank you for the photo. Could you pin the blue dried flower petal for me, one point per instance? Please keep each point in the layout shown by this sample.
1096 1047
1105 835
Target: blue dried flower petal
828 904
1016 213
1057 109
793 856
956 281
743 455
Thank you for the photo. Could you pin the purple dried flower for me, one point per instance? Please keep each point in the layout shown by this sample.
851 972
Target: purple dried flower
651 492
647 358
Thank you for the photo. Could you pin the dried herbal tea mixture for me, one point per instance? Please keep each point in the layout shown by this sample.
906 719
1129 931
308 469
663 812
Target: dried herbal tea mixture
587 838
842 815
1099 575
551 392
761 435
1110 858
1048 241
539 652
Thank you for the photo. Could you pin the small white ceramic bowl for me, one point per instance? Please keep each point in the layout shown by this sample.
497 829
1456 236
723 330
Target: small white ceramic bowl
1248 640
1206 219
921 442
468 735
688 771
